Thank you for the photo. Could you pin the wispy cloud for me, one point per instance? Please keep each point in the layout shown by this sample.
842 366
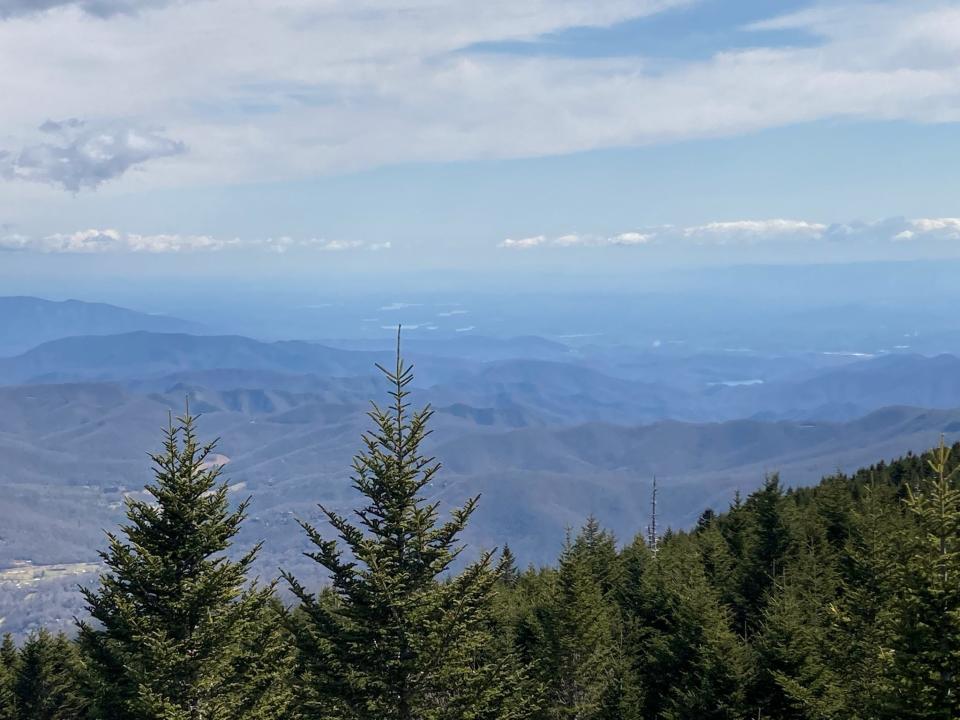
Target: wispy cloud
341 86
114 241
405 68
98 8
625 238
527 242
770 231
941 228
740 231
78 155
105 241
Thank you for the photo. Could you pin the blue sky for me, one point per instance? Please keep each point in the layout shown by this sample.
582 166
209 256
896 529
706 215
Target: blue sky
301 136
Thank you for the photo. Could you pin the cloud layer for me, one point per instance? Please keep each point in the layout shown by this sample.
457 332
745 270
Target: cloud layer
810 237
340 86
113 241
758 232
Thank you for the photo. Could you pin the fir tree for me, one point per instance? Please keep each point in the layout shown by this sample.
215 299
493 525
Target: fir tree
859 645
8 668
580 630
394 637
45 683
927 650
508 562
688 662
175 619
569 634
767 542
734 528
796 680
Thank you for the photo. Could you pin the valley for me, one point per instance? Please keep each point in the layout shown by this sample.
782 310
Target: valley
547 433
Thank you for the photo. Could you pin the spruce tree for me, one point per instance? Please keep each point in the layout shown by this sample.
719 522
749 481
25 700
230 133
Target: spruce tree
45 683
687 660
8 667
175 616
795 678
397 636
860 640
926 683
508 562
767 542
580 630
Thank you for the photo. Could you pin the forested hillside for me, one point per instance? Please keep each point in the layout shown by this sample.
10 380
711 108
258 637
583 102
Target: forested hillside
837 601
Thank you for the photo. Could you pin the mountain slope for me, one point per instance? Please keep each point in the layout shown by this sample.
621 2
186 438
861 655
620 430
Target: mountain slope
291 450
141 355
28 321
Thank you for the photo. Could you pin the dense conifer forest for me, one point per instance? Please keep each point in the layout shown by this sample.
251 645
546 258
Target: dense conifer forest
836 601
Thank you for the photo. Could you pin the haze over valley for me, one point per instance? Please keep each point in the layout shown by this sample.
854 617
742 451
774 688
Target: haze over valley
549 428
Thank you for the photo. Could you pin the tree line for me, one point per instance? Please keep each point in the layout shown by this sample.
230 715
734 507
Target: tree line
837 601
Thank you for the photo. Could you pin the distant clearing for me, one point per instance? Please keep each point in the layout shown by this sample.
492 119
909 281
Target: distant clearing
30 574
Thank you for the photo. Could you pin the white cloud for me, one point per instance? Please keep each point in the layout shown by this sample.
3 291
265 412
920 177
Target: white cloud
103 241
175 243
522 243
333 86
14 241
739 231
631 238
574 240
340 86
938 228
114 241
765 232
80 156
338 245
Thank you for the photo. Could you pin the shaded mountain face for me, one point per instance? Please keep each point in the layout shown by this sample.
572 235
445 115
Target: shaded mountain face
27 321
72 451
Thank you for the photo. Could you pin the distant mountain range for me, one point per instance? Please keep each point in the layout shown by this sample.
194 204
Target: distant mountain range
145 354
546 432
532 391
28 321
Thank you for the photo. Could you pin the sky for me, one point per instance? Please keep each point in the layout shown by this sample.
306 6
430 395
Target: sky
299 137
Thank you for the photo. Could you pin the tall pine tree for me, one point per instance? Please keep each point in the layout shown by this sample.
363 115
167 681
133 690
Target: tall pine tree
176 619
396 636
